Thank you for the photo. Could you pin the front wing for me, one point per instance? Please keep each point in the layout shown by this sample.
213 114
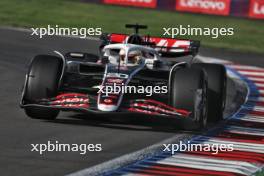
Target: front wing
88 103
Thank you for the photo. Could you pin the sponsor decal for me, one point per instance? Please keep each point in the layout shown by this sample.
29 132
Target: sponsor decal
162 44
72 103
72 100
115 80
154 107
167 44
256 9
136 3
216 7
108 101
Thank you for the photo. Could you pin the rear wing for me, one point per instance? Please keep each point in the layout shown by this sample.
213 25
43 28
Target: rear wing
165 46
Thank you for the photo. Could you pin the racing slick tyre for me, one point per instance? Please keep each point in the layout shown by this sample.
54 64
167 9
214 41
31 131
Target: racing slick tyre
188 91
216 74
43 78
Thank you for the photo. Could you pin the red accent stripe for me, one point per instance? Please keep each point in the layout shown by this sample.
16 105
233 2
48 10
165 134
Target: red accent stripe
253 76
162 169
260 88
152 107
259 103
72 105
246 123
258 82
157 109
257 113
232 155
169 107
118 38
242 136
164 173
70 95
181 111
240 140
142 111
251 70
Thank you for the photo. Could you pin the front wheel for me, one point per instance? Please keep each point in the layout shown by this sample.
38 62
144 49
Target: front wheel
217 79
189 92
43 81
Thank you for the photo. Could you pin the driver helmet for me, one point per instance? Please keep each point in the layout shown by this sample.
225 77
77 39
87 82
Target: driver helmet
133 56
122 55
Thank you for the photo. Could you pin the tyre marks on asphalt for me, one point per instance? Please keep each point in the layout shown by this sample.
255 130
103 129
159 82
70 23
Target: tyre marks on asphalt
245 130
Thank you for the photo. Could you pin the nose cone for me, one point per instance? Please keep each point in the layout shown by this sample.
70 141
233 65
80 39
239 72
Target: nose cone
107 108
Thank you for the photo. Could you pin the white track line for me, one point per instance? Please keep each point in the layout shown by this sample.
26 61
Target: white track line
248 73
251 119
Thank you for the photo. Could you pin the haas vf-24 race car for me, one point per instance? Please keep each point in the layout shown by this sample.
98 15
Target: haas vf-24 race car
79 81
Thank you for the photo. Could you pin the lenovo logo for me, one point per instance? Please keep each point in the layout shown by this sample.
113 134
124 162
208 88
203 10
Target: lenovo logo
256 9
203 4
137 3
218 7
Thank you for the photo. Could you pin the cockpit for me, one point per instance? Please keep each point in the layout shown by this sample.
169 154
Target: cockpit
131 58
125 56
129 55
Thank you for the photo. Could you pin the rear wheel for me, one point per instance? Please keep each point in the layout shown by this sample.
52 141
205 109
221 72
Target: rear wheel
216 74
43 79
189 92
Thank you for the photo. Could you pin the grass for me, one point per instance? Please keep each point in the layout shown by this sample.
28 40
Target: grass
248 37
260 173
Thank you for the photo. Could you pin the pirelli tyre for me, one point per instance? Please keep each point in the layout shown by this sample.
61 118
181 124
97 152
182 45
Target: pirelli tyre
43 79
216 74
188 91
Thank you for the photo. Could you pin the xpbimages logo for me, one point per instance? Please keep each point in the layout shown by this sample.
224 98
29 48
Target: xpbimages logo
188 30
65 31
60 147
147 90
188 146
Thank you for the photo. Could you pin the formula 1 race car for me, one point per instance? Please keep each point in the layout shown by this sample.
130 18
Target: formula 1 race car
132 74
